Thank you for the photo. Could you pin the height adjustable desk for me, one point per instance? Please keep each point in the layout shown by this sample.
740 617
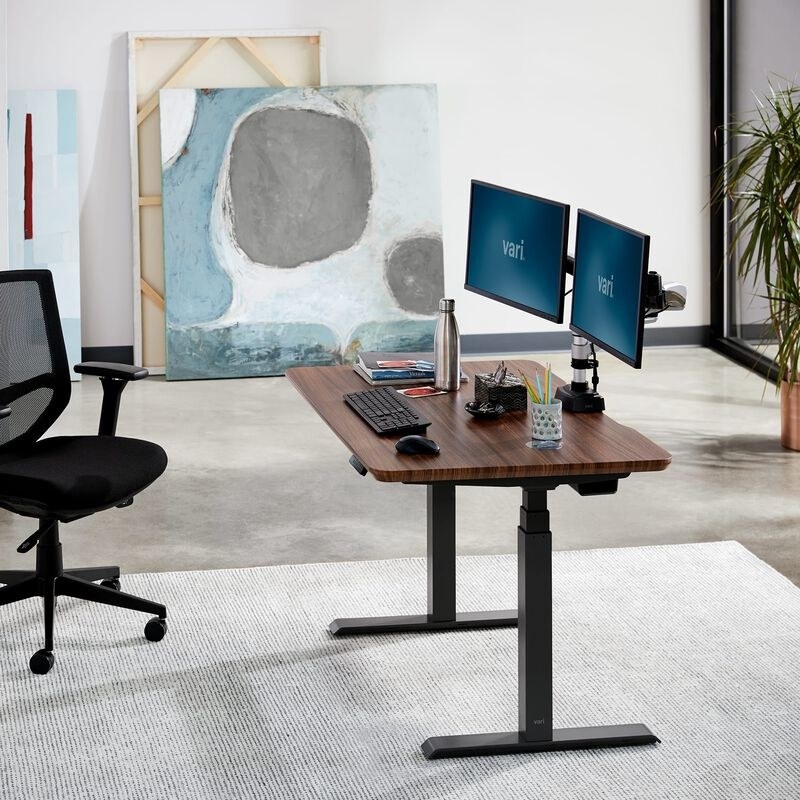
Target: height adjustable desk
596 453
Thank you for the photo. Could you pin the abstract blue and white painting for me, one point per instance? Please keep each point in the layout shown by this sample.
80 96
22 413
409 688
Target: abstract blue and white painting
43 204
301 225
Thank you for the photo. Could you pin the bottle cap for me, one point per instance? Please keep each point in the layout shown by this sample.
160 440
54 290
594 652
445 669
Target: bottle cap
447 305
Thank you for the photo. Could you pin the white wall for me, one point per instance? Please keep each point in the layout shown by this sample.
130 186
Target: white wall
601 105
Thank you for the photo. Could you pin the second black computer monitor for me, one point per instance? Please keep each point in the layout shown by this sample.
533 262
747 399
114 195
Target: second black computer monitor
517 249
608 286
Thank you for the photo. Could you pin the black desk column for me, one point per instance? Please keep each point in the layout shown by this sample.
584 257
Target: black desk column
535 603
441 552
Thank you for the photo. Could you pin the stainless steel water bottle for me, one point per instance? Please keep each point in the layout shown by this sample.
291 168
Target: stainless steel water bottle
447 349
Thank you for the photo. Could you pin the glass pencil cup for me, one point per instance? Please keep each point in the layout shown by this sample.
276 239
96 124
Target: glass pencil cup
546 428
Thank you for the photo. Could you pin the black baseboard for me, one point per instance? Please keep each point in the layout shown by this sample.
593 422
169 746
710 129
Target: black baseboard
121 354
473 344
657 336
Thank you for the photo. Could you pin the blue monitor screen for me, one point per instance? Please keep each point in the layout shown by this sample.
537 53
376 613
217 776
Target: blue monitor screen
608 286
516 249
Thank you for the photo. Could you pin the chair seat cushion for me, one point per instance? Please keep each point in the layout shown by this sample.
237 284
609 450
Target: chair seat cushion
71 476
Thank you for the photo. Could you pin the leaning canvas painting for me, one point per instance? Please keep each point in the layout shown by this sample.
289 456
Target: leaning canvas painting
301 225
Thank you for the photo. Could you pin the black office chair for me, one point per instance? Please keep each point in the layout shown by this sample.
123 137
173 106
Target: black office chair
62 478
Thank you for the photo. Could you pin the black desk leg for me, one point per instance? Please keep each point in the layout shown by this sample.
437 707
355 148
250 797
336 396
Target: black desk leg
535 732
442 615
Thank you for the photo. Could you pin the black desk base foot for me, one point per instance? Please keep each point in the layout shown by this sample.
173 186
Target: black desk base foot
421 622
494 744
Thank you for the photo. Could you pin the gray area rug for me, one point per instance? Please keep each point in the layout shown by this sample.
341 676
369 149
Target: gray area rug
249 697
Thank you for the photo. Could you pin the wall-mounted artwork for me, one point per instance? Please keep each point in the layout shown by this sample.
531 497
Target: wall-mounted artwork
300 226
43 210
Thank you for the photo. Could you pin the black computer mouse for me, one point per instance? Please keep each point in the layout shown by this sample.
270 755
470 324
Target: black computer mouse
416 445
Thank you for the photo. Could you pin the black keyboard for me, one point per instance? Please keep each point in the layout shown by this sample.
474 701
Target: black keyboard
386 411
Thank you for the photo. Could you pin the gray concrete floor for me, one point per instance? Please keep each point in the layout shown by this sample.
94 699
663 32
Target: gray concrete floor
256 478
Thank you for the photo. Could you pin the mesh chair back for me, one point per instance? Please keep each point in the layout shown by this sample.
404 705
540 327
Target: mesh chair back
34 373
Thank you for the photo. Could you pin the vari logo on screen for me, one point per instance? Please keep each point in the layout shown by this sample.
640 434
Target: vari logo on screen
513 250
605 285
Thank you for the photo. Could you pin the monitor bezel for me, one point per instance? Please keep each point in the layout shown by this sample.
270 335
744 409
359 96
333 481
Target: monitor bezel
559 316
636 361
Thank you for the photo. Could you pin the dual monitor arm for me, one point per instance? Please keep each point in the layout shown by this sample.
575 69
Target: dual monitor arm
577 396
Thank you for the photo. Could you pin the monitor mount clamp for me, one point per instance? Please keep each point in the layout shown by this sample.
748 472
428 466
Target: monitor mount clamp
577 397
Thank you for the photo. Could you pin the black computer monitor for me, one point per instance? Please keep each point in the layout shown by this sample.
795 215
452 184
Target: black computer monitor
608 286
517 249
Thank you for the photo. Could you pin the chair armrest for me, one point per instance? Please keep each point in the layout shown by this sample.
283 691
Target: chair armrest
4 411
114 378
106 369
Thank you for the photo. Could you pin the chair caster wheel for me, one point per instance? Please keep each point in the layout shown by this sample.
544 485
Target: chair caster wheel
41 662
111 583
156 629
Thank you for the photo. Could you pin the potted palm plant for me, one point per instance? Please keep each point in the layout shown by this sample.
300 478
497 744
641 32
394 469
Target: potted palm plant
762 181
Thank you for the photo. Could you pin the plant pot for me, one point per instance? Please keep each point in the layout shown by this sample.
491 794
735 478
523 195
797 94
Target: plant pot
790 416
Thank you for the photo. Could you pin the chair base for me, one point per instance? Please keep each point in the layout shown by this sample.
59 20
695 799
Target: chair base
50 581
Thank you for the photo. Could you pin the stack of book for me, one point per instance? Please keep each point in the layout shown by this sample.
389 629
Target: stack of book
386 369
